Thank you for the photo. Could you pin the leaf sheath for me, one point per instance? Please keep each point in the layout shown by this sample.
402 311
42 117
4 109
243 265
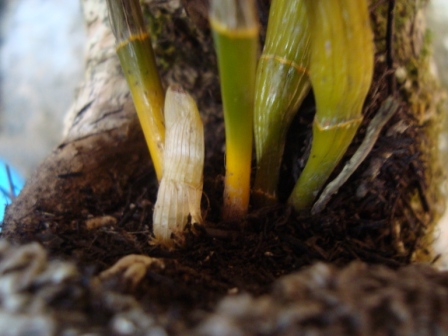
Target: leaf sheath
341 73
282 83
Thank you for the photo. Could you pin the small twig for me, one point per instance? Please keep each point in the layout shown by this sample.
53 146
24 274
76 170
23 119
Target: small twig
4 192
12 194
387 110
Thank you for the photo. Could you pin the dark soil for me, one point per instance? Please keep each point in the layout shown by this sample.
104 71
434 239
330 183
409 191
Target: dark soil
218 258
373 218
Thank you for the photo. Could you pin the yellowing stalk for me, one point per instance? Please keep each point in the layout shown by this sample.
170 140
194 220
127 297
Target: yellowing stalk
341 73
282 83
180 190
139 67
235 32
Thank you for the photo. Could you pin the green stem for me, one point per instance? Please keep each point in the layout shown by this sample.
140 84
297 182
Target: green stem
281 85
235 32
341 70
137 59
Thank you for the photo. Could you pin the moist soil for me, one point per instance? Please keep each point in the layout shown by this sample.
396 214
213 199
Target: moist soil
219 258
372 219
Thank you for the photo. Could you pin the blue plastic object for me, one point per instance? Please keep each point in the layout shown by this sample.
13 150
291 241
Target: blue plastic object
10 185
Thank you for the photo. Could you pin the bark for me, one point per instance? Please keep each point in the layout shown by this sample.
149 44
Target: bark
94 156
88 187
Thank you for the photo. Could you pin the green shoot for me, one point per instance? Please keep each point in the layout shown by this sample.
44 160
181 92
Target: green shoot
235 32
341 73
139 67
281 85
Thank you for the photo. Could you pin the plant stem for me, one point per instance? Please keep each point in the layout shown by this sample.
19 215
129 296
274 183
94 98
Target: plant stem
341 73
386 111
235 32
281 85
139 67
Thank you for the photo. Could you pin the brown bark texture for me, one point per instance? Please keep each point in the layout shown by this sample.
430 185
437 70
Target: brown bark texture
91 202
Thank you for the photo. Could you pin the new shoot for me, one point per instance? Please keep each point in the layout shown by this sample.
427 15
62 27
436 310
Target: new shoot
282 83
180 190
235 33
341 73
139 67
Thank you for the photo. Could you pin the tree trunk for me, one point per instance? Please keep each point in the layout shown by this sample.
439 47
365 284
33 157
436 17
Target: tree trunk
91 200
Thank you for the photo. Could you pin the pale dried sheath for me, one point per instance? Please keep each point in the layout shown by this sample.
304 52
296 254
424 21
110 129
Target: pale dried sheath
180 190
